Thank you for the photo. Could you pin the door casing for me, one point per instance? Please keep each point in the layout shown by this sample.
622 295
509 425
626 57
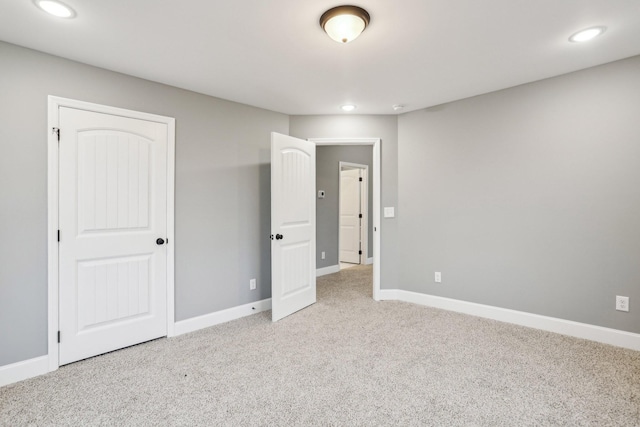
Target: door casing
54 104
375 215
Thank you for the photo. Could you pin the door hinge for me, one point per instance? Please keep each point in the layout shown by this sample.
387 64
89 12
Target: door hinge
58 235
57 132
359 252
58 337
359 179
359 215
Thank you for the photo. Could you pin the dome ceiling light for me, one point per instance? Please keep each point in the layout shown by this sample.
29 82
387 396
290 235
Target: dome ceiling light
344 23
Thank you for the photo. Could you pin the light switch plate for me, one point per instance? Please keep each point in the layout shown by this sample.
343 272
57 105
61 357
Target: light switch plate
389 212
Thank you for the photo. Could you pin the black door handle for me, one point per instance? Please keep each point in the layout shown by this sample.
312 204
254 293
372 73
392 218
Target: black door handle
160 241
279 237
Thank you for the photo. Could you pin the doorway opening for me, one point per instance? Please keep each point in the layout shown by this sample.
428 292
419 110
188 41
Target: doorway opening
373 174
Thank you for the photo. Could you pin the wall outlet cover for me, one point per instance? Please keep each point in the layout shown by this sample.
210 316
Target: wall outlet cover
389 212
252 284
622 303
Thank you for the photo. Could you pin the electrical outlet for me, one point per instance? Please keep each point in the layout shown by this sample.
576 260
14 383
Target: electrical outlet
438 277
252 285
622 303
322 255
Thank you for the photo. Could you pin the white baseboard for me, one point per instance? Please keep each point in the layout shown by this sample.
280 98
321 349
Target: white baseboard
222 316
368 261
26 369
40 365
552 324
327 270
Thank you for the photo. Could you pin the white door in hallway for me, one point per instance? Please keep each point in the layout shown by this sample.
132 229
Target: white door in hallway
293 225
113 228
350 216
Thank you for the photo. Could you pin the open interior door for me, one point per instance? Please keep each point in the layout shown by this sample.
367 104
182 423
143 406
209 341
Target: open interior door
293 225
350 216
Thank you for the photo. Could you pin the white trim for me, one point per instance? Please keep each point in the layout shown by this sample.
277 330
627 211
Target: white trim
352 165
552 324
327 270
171 237
52 235
368 261
54 104
26 369
364 208
344 141
222 316
375 143
390 295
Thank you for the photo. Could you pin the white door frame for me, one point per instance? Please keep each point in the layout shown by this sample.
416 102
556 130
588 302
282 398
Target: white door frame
54 104
364 208
375 144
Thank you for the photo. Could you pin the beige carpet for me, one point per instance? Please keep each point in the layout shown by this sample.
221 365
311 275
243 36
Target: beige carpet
347 360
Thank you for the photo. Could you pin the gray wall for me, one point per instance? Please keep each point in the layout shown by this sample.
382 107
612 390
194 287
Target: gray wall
328 160
528 198
222 190
524 198
370 126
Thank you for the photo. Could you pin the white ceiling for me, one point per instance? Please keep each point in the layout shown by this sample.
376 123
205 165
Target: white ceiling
273 53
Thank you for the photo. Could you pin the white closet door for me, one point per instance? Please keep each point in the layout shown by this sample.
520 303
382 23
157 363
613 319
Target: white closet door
350 216
113 225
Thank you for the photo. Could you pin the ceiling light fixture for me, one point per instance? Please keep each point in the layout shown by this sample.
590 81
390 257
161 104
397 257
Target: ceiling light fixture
348 107
344 23
55 8
586 35
398 107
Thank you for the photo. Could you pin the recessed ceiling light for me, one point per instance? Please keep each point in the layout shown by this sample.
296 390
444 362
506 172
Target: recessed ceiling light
398 107
55 8
348 107
586 35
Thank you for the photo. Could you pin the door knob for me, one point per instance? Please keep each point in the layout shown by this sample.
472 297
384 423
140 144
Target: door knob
160 241
279 237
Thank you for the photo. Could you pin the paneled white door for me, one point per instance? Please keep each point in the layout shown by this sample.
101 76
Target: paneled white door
113 228
350 216
293 224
